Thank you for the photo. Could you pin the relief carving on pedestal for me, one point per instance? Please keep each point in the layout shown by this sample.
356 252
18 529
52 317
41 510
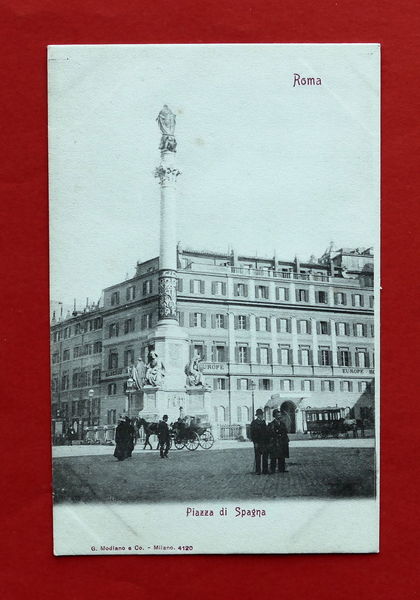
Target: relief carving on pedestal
167 295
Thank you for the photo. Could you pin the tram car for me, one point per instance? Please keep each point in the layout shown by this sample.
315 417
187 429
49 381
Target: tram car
325 422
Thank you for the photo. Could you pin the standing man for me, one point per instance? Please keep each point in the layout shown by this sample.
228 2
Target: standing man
163 436
278 443
259 436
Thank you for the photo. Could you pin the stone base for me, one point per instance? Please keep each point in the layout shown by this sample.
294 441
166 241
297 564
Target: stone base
194 402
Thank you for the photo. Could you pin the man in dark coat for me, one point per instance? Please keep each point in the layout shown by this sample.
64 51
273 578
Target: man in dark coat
163 436
122 440
278 443
131 432
259 436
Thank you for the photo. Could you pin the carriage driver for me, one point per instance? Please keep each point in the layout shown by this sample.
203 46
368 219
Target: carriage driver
259 436
163 436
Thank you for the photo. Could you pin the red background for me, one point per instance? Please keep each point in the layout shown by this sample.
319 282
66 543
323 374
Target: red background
28 566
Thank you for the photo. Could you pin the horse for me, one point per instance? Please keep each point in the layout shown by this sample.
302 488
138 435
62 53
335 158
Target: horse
149 429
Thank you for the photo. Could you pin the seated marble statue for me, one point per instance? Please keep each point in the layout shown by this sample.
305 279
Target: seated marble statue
155 371
193 371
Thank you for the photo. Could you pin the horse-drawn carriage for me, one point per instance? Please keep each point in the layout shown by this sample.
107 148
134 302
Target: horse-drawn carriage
325 422
190 433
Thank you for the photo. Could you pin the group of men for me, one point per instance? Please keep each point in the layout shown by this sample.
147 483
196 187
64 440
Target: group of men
125 438
270 442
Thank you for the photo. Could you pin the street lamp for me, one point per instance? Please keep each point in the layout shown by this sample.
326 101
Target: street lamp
252 385
91 393
130 389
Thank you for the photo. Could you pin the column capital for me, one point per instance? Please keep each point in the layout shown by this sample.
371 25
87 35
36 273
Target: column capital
166 175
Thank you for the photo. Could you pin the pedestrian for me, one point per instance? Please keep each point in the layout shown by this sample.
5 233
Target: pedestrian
122 440
278 443
259 437
163 437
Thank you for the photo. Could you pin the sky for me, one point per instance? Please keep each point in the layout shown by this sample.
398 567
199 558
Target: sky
266 166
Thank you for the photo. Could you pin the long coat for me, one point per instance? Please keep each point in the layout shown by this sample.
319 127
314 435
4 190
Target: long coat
123 441
278 439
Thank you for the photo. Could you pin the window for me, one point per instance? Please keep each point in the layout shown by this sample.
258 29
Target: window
242 352
197 286
358 300
220 321
307 385
342 329
218 288
67 332
219 383
302 295
219 353
97 347
55 358
242 322
321 297
131 292
304 357
346 386
113 360
371 301
197 320
303 327
285 355
362 358
282 294
242 384
65 381
241 289
263 355
263 324
115 298
340 299
243 414
265 384
199 349
128 357
147 287
97 324
114 330
324 327
286 385
129 326
77 328
112 389
363 386
146 321
327 385
360 330
283 325
261 291
344 357
96 376
76 379
220 414
324 357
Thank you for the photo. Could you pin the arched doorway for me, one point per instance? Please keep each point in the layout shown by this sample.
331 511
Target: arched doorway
288 410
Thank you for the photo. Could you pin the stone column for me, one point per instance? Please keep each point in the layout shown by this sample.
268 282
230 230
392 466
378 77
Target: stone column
167 174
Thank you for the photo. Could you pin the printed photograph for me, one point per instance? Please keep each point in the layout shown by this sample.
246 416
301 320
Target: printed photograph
214 260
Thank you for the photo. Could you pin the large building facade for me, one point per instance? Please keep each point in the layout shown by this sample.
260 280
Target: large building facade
269 332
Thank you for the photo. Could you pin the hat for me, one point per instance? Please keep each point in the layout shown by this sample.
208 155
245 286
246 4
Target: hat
259 411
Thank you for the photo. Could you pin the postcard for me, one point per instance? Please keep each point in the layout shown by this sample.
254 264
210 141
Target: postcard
214 260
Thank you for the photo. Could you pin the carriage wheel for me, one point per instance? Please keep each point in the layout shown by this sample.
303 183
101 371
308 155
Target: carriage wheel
193 442
179 443
314 434
206 440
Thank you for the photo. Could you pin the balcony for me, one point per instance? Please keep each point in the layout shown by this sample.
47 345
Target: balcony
249 272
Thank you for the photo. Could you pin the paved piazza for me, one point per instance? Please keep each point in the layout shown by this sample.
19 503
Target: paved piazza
342 469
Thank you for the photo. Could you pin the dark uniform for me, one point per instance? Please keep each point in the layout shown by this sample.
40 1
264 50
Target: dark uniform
163 436
259 436
278 444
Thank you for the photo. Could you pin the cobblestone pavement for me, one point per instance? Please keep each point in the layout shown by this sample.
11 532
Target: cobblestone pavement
336 472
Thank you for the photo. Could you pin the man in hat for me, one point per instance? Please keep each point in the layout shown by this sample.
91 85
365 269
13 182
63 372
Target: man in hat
278 443
259 437
122 439
163 436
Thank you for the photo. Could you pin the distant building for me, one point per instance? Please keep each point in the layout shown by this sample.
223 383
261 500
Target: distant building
296 334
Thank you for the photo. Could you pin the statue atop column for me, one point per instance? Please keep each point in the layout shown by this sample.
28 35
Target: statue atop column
166 121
